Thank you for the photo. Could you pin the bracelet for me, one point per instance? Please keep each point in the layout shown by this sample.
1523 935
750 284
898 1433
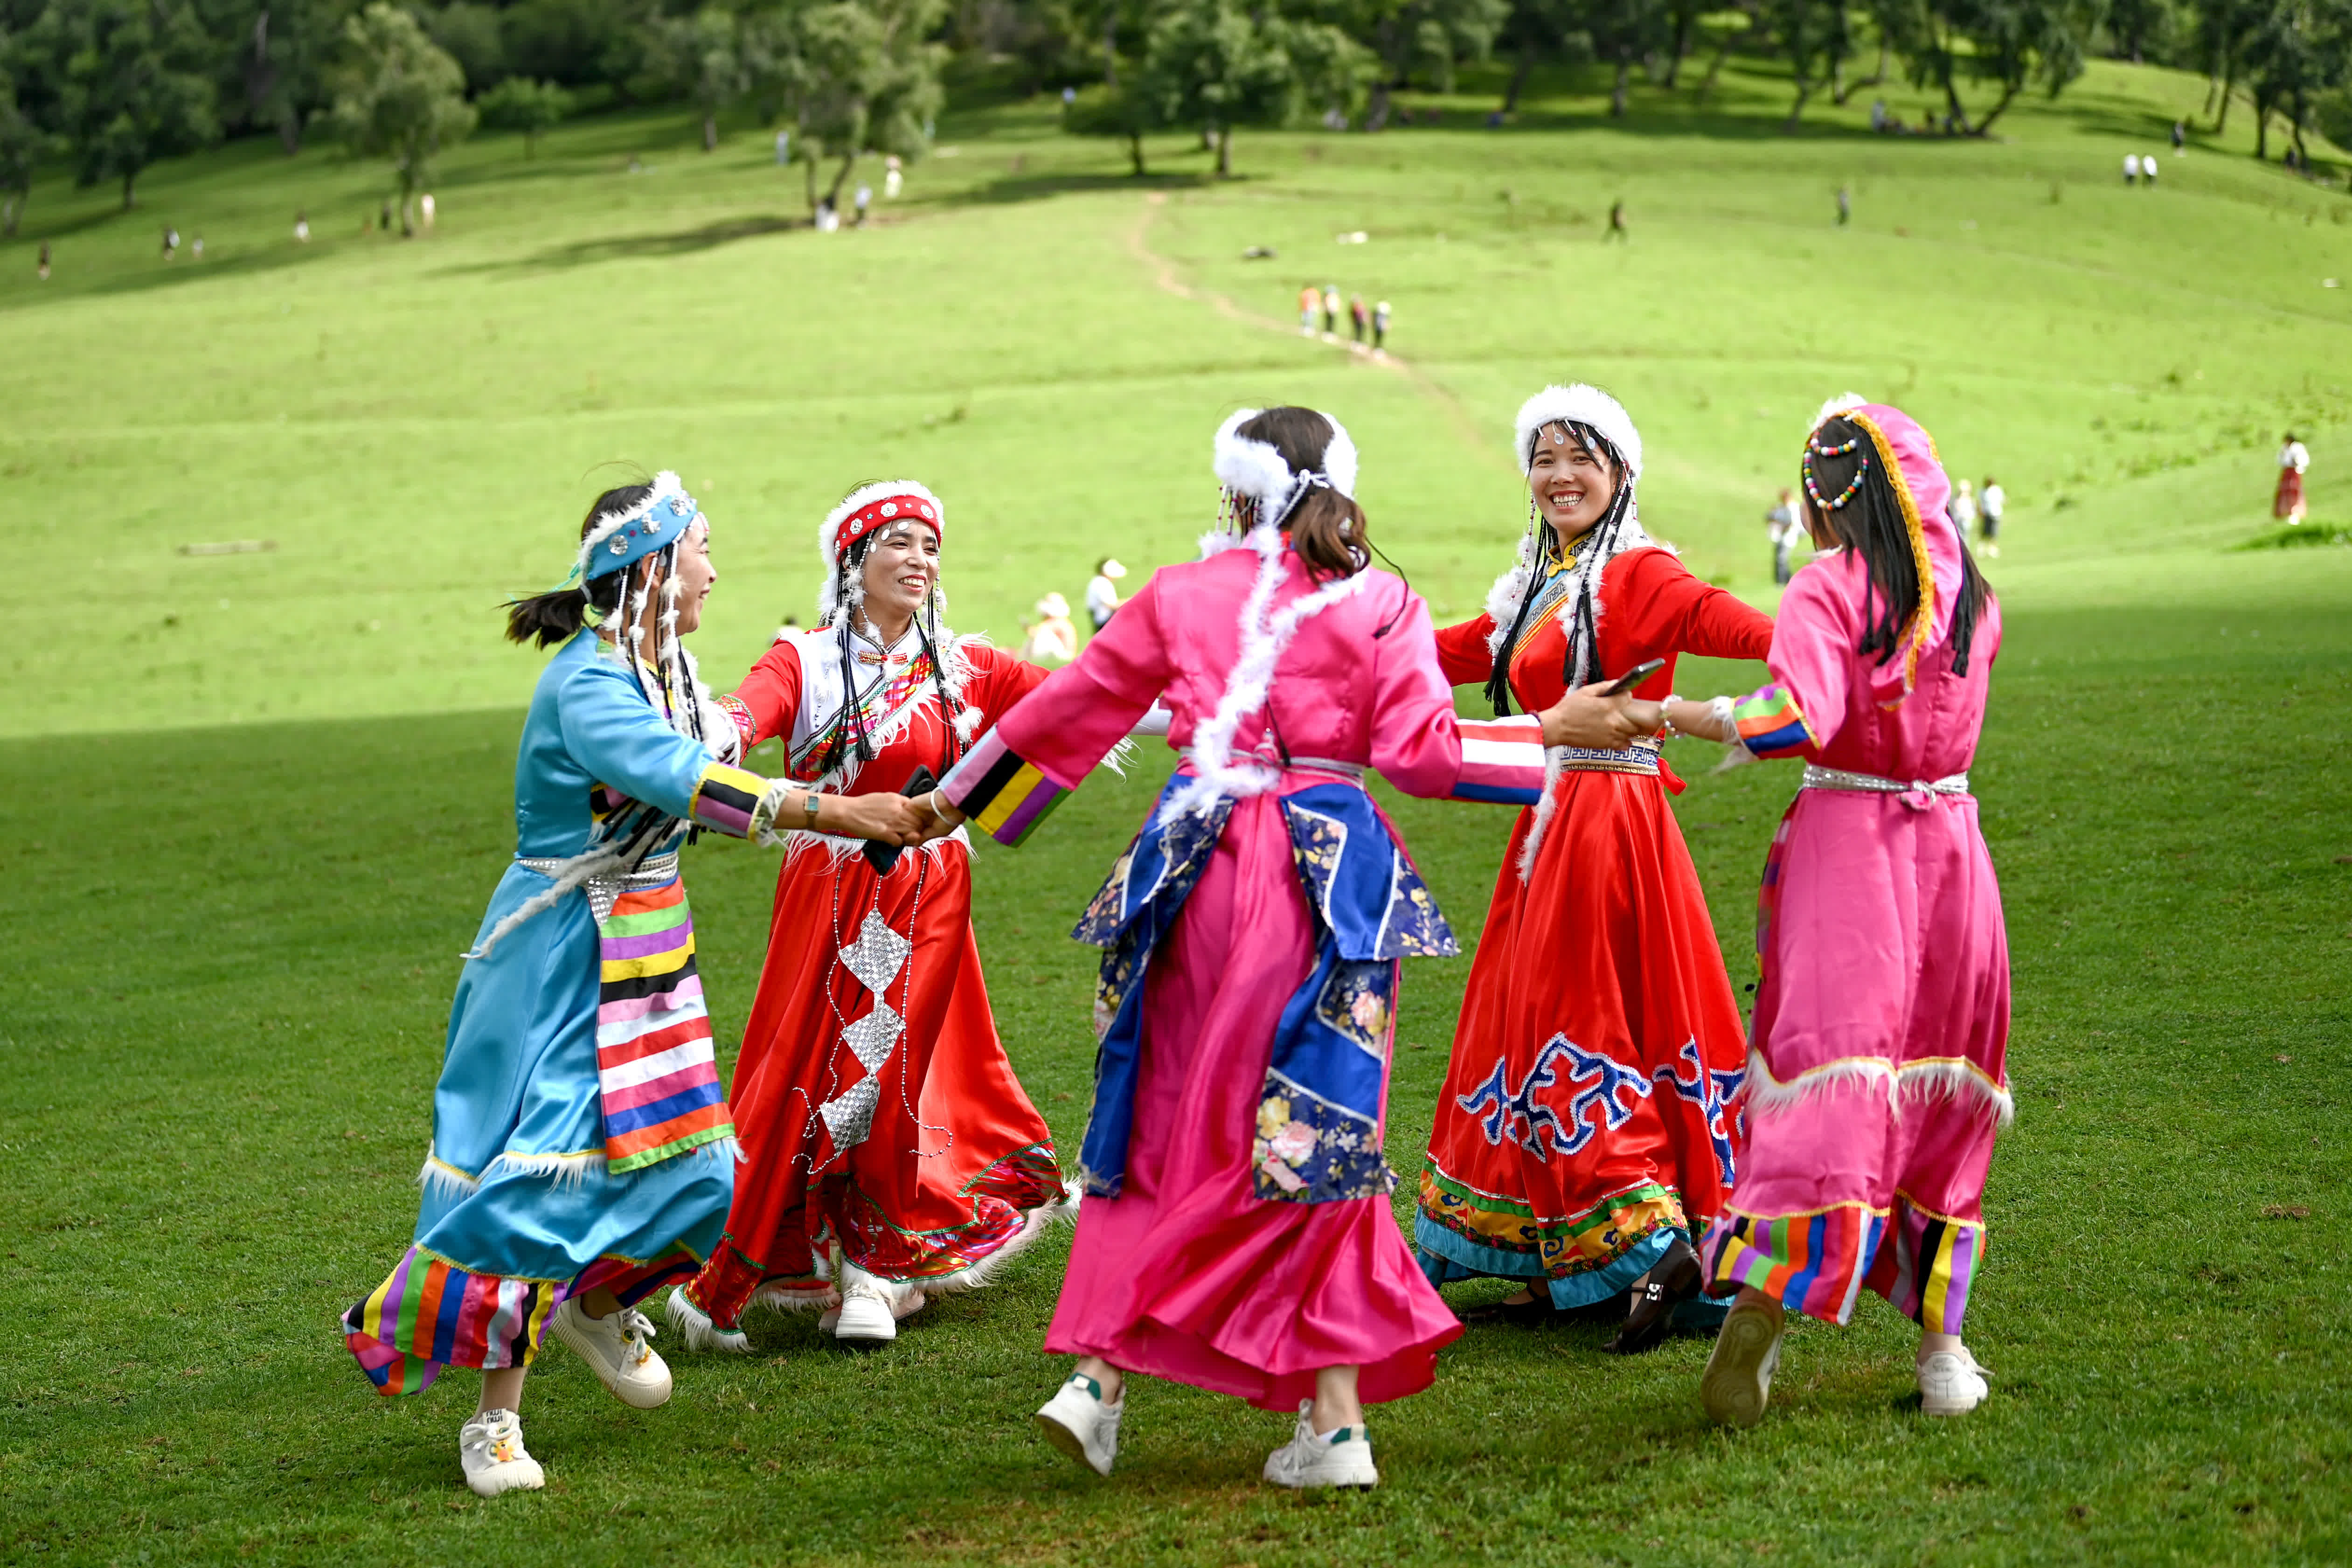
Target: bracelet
932 799
809 799
1666 719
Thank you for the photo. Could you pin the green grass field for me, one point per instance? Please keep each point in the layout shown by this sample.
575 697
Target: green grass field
253 802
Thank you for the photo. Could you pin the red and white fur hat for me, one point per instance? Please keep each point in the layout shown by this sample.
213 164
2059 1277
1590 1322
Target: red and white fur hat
870 510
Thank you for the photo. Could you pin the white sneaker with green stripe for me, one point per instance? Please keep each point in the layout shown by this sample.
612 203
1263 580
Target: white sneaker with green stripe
1078 1421
1339 1458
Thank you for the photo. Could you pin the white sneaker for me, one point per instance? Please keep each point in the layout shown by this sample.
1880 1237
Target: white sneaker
1952 1383
1339 1458
1738 1381
489 1444
614 1347
904 1304
866 1320
1078 1421
701 1332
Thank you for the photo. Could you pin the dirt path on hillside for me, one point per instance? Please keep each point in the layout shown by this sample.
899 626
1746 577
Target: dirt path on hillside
1163 271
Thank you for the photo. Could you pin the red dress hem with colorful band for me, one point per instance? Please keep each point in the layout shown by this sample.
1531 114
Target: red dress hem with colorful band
1583 1121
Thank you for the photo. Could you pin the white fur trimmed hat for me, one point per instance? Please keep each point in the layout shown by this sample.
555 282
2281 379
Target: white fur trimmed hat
876 506
1253 468
1582 405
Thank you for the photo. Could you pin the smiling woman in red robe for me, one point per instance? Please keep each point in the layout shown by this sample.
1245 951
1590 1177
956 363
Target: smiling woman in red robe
1582 1132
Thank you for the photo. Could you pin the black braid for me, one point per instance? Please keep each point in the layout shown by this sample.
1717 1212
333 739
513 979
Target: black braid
1498 684
1579 664
948 708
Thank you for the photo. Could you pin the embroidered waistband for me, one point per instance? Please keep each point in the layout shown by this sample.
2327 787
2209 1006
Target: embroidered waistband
1817 777
656 871
1639 757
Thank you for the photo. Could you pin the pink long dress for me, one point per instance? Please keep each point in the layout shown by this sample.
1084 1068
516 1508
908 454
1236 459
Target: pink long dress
1877 1072
1186 1274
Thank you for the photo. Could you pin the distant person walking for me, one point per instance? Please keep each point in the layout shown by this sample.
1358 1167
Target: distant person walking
196 249
171 242
783 147
1617 229
1310 301
44 261
2147 170
2293 458
2131 168
1102 592
426 208
1989 504
2179 138
302 227
1380 326
1359 317
1330 310
1878 115
1845 205
1780 526
894 178
865 199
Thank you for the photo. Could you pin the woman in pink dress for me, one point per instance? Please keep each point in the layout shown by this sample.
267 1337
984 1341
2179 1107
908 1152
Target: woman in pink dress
1236 1233
1876 1073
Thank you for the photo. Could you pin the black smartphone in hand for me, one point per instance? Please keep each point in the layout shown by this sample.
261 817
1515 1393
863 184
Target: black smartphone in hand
1634 678
882 856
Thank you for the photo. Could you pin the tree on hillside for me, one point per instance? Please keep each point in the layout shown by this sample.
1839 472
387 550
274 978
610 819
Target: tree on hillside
2225 31
278 55
1209 63
2139 28
530 107
132 82
23 143
857 76
2299 53
577 43
2010 44
1423 40
1534 31
696 57
1623 32
1126 110
399 96
1814 36
473 36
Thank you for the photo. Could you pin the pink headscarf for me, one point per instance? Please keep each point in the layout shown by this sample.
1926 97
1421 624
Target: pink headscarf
1921 487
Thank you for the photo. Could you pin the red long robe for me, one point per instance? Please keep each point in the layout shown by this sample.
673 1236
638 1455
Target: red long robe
1582 1124
934 1174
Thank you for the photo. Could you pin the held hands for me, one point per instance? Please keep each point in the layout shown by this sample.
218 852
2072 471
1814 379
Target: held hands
939 816
1586 719
885 819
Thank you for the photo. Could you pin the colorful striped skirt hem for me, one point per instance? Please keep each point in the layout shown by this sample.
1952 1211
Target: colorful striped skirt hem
1819 1263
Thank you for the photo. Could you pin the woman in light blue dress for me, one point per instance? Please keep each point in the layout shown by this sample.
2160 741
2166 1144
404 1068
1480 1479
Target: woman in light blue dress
581 1151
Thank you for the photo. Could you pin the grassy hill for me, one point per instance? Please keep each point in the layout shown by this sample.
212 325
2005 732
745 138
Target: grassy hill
254 800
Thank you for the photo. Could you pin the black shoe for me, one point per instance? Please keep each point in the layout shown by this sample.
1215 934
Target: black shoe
1673 1280
1531 1314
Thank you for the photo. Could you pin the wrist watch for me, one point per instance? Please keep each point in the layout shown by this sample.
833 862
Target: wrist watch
809 799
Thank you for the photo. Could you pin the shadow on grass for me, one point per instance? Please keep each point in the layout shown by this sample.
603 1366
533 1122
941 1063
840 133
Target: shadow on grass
1039 187
637 246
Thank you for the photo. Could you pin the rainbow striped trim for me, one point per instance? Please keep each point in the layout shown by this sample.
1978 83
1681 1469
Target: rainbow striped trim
723 799
1502 761
655 1065
1768 723
1812 1262
1926 1265
429 1313
1004 794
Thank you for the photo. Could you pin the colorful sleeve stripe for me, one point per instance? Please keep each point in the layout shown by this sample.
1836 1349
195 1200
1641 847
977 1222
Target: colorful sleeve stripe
1768 723
1003 792
1502 761
724 797
745 725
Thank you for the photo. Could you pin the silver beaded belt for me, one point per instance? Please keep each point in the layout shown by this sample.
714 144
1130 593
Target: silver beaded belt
1838 778
1640 756
655 871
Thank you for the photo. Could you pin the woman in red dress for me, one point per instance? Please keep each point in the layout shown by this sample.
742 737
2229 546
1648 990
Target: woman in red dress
1582 1136
888 1151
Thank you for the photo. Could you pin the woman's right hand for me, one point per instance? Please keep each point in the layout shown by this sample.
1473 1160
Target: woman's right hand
885 819
1588 719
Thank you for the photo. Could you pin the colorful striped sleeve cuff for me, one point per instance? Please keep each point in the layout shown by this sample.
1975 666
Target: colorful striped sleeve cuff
1003 794
1768 724
1502 761
723 799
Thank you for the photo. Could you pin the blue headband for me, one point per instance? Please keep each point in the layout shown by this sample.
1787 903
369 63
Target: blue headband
628 537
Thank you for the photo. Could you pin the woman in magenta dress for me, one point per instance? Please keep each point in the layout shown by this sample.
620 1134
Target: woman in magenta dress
1236 1233
1877 1072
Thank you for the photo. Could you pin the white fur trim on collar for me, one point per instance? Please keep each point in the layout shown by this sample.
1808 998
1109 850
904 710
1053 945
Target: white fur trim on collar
1583 405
